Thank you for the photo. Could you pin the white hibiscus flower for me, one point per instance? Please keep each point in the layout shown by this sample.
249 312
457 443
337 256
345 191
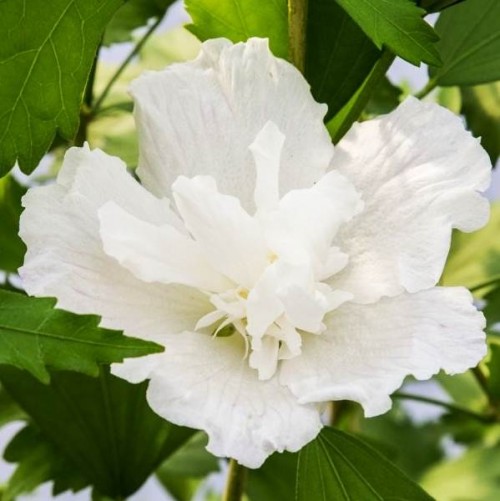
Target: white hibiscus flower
277 274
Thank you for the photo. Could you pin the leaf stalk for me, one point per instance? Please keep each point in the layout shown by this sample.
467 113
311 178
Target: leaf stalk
297 30
235 482
488 283
98 102
484 418
429 87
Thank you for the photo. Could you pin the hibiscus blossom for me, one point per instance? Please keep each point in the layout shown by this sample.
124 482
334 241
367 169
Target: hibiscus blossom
279 274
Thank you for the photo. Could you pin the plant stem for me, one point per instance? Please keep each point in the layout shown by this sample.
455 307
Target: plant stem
297 28
429 87
487 283
484 418
481 379
125 63
235 482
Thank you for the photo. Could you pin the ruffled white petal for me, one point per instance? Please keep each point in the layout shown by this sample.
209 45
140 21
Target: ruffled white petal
368 350
65 257
419 173
266 150
201 117
307 220
156 253
205 383
229 237
263 306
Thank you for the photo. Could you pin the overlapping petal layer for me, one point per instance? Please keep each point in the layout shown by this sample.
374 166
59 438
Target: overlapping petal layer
201 117
206 383
66 259
368 350
420 173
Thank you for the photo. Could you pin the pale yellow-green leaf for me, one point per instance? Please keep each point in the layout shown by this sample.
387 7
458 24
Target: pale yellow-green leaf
475 476
450 98
475 257
481 108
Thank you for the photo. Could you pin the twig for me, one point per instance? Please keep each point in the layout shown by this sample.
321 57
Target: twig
125 63
484 418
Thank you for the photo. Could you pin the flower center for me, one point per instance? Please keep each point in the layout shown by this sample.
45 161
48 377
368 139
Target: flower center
285 301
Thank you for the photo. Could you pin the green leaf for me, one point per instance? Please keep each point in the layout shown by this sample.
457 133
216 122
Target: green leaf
352 110
191 460
450 98
397 25
475 257
336 46
492 309
481 109
463 389
275 479
180 488
336 465
437 5
34 335
132 15
38 461
469 45
46 54
12 248
102 426
494 371
9 410
181 473
474 475
238 20
398 434
384 99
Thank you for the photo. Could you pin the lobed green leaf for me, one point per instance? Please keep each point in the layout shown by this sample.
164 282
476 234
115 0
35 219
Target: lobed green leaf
469 45
101 429
238 20
12 248
38 461
397 25
336 465
46 54
34 335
